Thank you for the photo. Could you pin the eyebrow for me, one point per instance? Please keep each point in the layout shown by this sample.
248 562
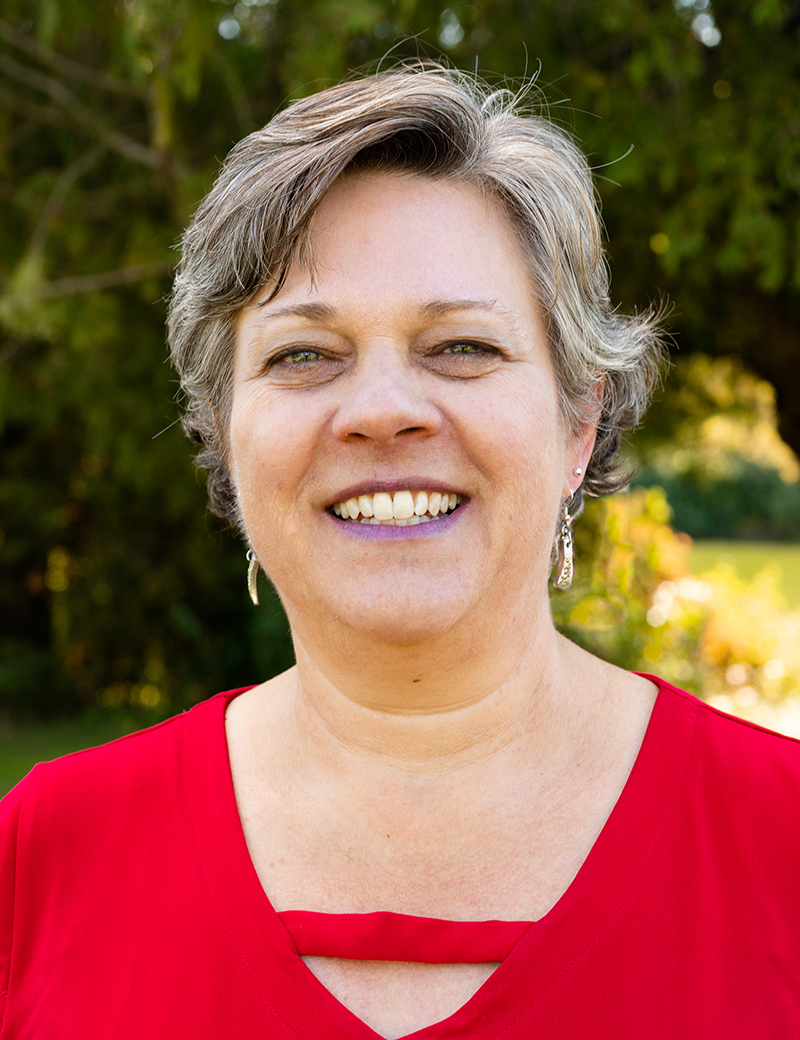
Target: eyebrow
433 308
312 311
441 307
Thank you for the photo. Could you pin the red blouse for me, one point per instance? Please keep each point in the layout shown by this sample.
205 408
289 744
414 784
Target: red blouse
129 907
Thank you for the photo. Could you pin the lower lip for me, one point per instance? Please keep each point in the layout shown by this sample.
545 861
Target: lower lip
390 533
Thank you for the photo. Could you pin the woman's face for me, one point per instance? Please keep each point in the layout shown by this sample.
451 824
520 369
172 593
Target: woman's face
413 365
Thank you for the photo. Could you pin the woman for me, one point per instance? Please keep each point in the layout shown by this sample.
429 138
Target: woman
393 330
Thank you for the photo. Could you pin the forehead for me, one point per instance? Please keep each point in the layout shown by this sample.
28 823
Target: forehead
390 237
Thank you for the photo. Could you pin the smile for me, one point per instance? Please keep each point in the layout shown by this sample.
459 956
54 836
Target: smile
402 509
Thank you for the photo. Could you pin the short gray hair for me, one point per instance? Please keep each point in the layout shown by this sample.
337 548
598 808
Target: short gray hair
434 122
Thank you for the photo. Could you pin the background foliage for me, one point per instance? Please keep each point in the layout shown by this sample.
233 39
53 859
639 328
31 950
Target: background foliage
116 587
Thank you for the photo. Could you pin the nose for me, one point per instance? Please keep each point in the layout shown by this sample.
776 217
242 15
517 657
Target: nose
385 400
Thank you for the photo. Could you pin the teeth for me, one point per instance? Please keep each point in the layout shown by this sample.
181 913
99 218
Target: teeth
382 506
403 509
403 505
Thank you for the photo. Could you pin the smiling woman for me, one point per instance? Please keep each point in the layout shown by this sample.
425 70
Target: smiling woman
414 362
393 329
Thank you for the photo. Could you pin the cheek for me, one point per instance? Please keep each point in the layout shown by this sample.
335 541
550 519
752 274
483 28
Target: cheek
518 436
264 454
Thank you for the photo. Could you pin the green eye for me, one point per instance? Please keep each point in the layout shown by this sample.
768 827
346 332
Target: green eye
301 357
463 348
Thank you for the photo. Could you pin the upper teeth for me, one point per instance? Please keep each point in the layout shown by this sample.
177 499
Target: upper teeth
405 507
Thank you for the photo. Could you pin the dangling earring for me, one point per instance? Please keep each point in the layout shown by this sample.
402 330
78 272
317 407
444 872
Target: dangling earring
565 568
252 576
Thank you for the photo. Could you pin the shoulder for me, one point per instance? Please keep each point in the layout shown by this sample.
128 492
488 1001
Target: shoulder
110 811
137 772
732 831
728 739
100 847
735 769
99 774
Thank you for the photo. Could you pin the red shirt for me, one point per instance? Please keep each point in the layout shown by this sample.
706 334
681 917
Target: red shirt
129 907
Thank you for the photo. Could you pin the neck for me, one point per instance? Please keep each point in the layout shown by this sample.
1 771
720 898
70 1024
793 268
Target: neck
412 708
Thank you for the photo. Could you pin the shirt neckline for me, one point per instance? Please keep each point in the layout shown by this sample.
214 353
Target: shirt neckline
546 952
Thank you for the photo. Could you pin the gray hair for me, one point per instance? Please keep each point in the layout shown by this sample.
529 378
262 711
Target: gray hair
438 123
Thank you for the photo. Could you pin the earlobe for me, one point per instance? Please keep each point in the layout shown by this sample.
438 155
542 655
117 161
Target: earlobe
582 447
586 436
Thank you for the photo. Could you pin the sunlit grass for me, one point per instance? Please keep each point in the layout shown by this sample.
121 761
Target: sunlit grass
22 745
748 558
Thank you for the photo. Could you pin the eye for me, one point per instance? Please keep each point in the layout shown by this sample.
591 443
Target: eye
297 357
463 359
301 365
292 360
465 349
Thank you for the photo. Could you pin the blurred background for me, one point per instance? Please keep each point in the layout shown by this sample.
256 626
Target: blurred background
122 600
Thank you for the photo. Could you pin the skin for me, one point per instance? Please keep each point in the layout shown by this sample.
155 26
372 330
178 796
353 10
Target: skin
435 722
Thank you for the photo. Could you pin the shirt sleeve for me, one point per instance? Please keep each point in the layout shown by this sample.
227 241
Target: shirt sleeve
9 826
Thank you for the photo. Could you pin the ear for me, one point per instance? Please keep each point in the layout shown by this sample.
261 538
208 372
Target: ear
581 444
222 448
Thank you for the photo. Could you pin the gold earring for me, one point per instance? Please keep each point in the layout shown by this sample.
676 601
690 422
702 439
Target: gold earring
565 568
252 576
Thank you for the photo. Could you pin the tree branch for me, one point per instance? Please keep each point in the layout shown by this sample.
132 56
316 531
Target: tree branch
85 117
40 113
66 66
55 201
84 283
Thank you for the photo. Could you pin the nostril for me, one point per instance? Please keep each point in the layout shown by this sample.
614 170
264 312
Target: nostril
382 412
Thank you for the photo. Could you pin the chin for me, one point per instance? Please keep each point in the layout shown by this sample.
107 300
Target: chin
406 631
404 621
